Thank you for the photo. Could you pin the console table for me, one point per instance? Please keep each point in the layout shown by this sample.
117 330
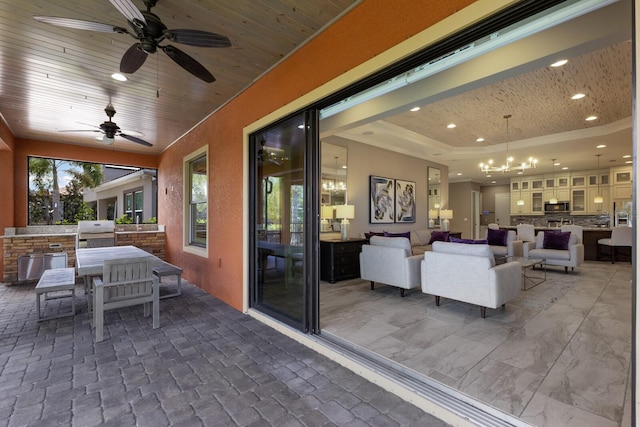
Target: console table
340 259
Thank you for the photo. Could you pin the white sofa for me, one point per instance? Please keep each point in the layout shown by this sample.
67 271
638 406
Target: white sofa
468 273
572 257
388 260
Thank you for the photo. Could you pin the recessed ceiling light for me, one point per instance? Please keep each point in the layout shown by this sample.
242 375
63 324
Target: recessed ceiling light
301 126
488 176
459 173
578 96
493 182
556 164
600 146
565 168
520 173
481 139
626 156
414 109
629 161
591 118
119 77
559 63
451 125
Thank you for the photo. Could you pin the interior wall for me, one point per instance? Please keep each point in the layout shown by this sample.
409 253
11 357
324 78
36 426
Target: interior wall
460 203
343 46
489 202
364 160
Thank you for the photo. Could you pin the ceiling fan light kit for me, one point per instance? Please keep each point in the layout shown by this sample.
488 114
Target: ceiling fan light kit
110 130
149 31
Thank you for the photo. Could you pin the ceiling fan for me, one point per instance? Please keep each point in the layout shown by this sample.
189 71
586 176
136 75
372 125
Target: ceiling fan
149 31
111 130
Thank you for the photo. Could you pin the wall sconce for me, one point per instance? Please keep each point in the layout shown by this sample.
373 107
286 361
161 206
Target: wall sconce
345 212
446 215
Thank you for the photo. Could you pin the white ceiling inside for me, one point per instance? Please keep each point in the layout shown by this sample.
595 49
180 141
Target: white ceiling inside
515 79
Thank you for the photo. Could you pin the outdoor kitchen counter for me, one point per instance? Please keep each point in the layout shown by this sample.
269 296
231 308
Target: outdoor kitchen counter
20 241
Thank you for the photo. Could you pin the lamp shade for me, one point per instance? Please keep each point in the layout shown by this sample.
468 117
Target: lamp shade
327 212
446 214
520 202
598 199
345 211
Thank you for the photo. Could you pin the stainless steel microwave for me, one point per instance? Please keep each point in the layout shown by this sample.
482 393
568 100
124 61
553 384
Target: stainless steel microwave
556 208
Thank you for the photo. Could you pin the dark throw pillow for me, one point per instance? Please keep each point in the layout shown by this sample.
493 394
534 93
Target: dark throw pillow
407 234
372 233
439 236
556 240
467 241
497 237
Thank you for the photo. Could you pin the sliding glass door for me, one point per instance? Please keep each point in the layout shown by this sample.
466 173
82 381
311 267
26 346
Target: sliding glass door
284 263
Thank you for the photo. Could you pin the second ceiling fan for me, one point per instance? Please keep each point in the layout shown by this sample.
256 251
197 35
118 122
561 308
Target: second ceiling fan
149 31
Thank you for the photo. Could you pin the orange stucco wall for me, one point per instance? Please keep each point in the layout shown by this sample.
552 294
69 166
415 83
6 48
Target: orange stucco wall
7 150
368 30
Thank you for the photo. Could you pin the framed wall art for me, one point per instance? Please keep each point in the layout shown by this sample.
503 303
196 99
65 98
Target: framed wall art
405 209
381 200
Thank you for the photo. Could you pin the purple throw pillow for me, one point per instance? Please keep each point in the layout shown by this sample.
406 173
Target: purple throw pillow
439 236
556 240
497 237
467 241
407 234
372 233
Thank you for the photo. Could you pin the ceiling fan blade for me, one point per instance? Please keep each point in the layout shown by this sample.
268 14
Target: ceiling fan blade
133 59
79 130
129 10
135 139
77 24
197 38
188 63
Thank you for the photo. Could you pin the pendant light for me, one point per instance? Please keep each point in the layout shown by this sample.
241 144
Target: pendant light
520 201
554 199
598 198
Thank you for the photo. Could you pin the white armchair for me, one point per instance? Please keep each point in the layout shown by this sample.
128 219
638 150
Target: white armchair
502 245
388 260
554 254
468 273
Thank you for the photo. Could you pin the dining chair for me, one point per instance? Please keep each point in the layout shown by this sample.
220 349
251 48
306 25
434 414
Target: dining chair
621 237
124 283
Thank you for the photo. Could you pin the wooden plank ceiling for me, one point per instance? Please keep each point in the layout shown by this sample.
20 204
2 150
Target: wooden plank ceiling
55 78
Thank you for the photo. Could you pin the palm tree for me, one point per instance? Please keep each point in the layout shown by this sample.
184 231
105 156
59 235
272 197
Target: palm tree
44 173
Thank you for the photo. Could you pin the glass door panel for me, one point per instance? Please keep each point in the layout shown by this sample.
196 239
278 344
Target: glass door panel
279 222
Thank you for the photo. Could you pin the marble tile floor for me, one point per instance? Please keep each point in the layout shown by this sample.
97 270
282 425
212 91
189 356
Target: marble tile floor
557 355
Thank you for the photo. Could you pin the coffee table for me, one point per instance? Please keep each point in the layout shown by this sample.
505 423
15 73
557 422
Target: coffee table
525 263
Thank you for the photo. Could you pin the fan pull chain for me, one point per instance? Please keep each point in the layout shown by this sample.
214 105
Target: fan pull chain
157 78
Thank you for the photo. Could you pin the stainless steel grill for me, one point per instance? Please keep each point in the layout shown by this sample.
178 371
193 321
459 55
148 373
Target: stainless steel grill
96 234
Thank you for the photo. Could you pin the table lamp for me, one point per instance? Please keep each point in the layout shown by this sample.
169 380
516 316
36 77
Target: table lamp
345 212
433 214
326 214
446 215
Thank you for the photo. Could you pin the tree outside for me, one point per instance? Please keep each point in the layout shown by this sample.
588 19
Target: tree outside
50 204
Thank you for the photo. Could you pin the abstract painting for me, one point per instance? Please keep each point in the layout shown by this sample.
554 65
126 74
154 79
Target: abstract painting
405 201
381 200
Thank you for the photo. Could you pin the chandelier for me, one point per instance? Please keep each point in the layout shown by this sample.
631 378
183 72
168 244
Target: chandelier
508 166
